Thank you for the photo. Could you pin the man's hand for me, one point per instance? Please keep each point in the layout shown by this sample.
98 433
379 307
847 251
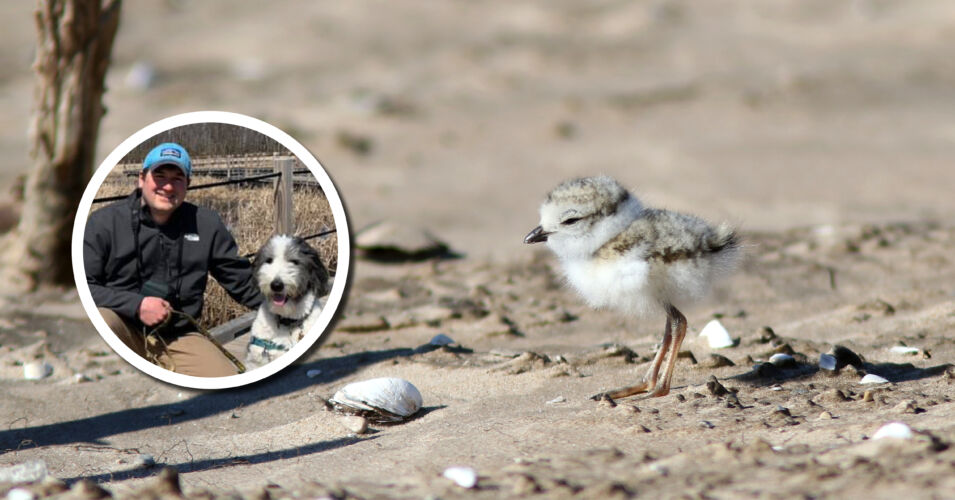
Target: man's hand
153 311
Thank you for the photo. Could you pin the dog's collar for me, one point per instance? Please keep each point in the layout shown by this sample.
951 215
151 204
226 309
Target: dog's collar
267 344
291 322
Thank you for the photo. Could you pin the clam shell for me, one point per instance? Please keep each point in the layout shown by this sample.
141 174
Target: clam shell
464 477
379 399
37 370
873 379
782 359
896 430
716 335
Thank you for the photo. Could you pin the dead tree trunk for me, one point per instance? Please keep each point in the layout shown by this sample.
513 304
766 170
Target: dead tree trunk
74 42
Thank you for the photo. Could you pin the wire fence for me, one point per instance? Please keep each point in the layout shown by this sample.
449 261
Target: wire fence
243 180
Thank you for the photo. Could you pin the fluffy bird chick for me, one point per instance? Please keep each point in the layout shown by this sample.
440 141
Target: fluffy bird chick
638 260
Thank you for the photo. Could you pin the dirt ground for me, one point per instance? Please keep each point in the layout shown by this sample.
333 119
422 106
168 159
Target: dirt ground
824 130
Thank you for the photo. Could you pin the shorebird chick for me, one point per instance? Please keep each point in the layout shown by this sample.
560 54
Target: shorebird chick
618 254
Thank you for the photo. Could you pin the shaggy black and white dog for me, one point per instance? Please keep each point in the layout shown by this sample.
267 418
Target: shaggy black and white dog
294 281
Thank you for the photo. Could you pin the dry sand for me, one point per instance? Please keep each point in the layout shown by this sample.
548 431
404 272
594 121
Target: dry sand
824 130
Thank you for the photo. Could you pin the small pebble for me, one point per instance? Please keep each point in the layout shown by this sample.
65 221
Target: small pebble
825 416
464 477
872 378
716 361
313 373
716 335
896 430
907 407
845 356
558 399
354 423
715 387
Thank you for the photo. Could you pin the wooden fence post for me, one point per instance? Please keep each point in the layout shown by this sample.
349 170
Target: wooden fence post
284 217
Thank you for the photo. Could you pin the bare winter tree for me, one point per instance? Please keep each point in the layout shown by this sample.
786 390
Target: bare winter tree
74 42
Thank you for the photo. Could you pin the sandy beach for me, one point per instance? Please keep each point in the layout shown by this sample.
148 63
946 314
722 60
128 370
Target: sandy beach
823 131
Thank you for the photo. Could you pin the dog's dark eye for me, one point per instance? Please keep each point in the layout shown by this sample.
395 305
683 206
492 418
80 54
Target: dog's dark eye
294 262
571 221
269 260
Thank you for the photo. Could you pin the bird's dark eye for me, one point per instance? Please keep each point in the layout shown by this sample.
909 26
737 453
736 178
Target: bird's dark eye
570 221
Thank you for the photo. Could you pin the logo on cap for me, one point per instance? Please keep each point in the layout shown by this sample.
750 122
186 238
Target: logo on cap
170 152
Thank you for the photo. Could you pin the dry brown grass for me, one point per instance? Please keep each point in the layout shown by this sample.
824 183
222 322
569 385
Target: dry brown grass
248 212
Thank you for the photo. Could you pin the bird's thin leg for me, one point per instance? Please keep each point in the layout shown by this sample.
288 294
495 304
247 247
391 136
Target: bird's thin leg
650 379
673 315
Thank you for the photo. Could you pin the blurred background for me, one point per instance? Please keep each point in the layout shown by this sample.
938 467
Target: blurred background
459 116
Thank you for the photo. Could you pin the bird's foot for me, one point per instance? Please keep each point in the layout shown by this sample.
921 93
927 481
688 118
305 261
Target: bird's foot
661 391
622 392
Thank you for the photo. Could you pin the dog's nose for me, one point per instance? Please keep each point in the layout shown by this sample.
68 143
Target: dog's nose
277 285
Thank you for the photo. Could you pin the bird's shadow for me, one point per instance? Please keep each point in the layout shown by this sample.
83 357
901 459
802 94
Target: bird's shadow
763 374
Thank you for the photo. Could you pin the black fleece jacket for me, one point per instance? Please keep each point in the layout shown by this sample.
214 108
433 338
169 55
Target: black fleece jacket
181 254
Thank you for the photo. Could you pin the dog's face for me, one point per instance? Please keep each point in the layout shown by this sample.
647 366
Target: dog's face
287 268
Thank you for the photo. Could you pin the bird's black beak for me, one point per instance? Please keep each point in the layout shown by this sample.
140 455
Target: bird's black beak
536 236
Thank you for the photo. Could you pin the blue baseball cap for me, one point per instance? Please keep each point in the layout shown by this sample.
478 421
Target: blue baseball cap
168 153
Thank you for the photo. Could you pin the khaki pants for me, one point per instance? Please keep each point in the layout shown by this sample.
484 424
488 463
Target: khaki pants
189 354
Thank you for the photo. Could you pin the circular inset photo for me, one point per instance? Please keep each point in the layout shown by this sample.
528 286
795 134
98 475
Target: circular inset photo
210 250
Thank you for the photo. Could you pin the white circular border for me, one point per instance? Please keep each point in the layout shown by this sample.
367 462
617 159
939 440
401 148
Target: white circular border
341 226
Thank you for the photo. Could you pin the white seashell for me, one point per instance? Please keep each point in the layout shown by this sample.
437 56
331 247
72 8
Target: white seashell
782 359
716 335
827 362
896 430
313 373
464 477
873 379
37 370
21 494
440 340
903 349
380 399
558 399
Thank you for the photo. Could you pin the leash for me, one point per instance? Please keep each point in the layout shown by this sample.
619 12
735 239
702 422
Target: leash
153 337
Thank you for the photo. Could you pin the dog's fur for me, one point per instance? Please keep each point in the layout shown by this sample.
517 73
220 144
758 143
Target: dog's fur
294 281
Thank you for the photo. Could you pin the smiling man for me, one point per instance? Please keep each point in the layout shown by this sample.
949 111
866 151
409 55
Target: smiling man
148 258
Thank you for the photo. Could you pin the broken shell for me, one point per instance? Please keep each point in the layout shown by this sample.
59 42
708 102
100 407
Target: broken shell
440 340
902 349
716 335
37 370
379 400
827 362
781 359
896 430
873 379
464 477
